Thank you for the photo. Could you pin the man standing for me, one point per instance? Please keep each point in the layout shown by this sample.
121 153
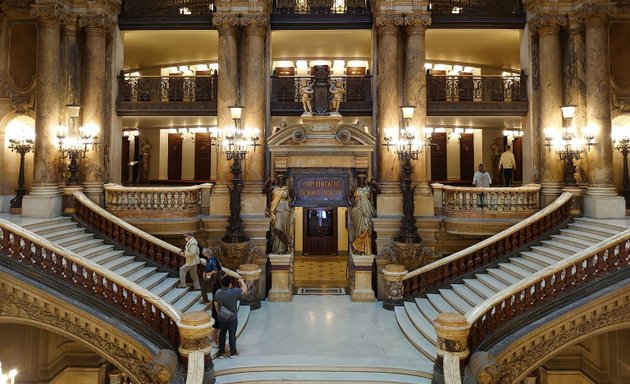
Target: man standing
481 179
228 297
191 253
508 164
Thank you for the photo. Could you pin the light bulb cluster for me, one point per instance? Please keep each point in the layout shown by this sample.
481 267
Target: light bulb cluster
7 378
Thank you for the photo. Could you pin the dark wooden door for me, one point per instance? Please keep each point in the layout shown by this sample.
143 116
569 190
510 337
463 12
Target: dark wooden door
467 156
202 156
124 157
438 156
136 158
174 156
517 149
320 231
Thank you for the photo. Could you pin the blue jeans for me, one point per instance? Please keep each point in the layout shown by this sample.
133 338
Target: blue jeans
224 327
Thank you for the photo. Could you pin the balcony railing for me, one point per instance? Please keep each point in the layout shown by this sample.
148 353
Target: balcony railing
477 13
286 94
497 95
321 14
316 7
138 95
470 202
166 14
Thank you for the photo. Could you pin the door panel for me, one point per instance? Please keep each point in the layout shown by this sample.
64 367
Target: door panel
124 157
320 231
466 156
202 156
438 156
174 156
517 149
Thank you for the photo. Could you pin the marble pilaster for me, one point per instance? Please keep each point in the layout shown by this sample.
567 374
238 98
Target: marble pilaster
254 93
601 200
93 165
45 199
548 26
226 25
388 99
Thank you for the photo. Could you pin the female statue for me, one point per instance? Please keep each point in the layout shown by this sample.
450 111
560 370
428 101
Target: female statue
362 212
280 209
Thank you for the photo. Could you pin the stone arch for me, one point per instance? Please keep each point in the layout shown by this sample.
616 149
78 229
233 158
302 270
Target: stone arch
530 349
33 305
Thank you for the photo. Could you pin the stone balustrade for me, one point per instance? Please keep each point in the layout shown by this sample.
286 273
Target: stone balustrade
155 202
492 203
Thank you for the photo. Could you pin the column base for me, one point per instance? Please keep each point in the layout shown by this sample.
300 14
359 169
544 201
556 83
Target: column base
42 202
95 192
69 207
549 192
603 203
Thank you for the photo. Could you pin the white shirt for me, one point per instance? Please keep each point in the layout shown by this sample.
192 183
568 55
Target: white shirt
507 160
191 252
482 179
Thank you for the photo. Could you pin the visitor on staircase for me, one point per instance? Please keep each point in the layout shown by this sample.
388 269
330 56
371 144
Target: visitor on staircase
191 253
212 275
228 297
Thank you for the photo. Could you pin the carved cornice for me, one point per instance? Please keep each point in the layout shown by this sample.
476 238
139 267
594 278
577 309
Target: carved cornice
15 8
225 23
21 302
547 23
608 313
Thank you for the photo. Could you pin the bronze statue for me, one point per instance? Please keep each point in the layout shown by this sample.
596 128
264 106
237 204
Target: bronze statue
362 212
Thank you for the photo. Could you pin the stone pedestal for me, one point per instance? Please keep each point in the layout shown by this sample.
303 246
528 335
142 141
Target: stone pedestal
69 206
194 330
43 202
577 202
452 337
393 274
549 192
206 191
251 276
602 203
281 277
95 192
362 290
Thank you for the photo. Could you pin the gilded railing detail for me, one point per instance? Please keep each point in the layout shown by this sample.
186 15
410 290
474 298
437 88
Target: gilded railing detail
27 248
153 202
434 275
579 270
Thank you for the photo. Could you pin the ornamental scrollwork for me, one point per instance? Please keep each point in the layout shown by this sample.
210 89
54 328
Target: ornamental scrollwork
412 256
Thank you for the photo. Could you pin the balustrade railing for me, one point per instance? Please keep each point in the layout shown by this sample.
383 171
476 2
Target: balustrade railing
286 92
153 202
465 8
514 202
581 270
126 235
476 88
315 7
147 8
432 276
35 252
167 89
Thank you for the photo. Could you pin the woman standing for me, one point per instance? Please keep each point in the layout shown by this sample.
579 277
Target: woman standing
280 209
362 212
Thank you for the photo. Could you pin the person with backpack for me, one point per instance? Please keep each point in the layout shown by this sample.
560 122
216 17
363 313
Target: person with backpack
226 304
191 253
213 272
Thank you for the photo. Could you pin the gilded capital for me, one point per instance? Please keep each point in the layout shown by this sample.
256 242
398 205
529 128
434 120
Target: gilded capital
96 23
256 24
547 24
226 23
48 14
388 23
417 23
594 13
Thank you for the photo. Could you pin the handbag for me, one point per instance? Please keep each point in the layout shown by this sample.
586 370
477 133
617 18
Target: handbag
224 315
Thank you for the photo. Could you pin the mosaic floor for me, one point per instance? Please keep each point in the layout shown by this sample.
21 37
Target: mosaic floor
320 271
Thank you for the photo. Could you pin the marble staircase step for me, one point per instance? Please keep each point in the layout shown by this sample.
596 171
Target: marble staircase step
422 324
84 245
505 277
47 222
95 251
479 288
562 247
174 294
590 228
550 253
467 294
411 333
118 262
515 270
440 304
106 257
539 258
62 234
186 301
600 224
153 280
527 264
164 286
491 282
142 274
573 241
456 301
52 228
427 309
79 238
593 238
128 269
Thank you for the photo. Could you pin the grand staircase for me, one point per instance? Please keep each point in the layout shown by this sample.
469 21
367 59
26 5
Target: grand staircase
416 317
68 234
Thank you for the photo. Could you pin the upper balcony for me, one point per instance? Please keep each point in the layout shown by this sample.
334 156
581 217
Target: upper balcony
321 14
477 14
167 95
166 14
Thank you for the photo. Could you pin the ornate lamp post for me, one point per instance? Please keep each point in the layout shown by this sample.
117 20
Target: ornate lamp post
568 144
235 144
7 378
21 140
75 145
621 143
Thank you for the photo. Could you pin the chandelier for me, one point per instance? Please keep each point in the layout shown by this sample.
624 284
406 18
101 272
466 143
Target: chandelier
235 142
408 146
7 378
75 144
21 140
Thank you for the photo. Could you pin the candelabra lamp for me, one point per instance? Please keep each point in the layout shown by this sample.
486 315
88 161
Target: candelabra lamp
622 144
408 148
73 144
235 143
21 140
7 378
568 145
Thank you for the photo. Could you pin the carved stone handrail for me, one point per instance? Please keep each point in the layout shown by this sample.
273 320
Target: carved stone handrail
576 271
31 250
433 275
512 202
154 202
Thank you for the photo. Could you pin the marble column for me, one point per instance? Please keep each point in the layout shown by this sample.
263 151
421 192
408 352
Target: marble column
254 93
550 100
93 105
601 200
389 114
44 199
226 25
